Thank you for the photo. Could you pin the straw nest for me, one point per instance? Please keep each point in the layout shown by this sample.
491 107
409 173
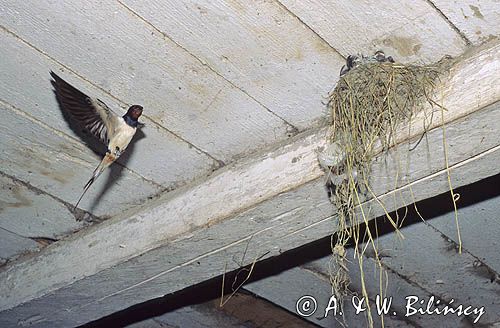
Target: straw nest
367 106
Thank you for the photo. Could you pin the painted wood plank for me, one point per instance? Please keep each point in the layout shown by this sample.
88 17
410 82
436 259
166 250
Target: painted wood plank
477 19
159 156
60 167
258 46
312 279
12 245
30 213
138 64
395 285
192 255
410 31
426 258
240 312
478 222
195 316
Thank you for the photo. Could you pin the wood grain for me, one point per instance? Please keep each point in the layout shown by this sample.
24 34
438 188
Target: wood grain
477 20
61 166
159 156
124 56
410 31
258 46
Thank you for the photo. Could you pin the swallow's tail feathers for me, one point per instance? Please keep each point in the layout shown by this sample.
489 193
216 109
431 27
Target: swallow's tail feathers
106 161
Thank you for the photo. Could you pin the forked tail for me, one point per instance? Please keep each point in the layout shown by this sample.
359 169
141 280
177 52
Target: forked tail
106 161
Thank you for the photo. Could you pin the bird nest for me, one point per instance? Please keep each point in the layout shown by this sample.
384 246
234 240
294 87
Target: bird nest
369 103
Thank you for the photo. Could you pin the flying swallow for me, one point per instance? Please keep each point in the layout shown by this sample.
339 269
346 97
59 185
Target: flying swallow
111 129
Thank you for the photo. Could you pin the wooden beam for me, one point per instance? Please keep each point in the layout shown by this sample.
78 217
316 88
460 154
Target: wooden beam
257 209
426 263
242 311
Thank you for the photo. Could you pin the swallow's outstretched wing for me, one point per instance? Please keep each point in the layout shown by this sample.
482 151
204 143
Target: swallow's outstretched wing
92 114
114 131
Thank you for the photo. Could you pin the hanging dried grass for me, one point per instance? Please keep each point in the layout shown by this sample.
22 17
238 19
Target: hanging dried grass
367 106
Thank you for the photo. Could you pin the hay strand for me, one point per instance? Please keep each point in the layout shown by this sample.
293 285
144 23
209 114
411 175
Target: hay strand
367 106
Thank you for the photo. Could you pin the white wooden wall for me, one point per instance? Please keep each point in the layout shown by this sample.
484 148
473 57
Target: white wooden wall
218 80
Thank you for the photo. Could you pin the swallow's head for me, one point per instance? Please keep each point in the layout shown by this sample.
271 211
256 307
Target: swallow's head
380 56
134 112
352 61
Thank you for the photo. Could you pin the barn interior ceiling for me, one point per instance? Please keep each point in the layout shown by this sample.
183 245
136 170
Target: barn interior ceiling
223 84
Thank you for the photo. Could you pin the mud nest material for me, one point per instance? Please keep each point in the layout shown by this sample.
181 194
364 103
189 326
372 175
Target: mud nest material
367 105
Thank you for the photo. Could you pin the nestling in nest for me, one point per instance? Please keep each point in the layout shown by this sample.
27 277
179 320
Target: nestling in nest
373 96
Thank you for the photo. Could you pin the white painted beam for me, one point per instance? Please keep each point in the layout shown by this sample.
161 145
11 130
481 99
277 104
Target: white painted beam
273 202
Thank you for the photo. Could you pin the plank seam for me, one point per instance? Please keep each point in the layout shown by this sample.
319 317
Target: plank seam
69 138
450 23
217 162
450 240
309 28
14 233
38 191
291 128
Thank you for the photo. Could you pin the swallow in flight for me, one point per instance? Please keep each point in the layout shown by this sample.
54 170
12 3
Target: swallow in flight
92 114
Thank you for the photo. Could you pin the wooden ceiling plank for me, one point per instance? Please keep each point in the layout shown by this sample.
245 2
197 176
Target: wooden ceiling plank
12 245
477 20
159 157
410 31
312 279
428 259
109 46
257 46
396 286
170 233
477 222
29 212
